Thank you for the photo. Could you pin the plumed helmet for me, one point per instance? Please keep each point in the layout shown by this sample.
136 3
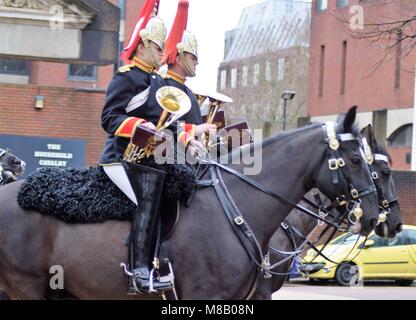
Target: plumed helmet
180 40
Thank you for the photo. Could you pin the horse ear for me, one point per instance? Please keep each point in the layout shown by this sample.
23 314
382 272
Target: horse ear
366 132
369 134
349 119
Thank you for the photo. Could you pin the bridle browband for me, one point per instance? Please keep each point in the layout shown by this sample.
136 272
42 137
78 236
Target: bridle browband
3 152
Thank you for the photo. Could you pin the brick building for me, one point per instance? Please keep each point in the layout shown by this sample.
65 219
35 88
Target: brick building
72 96
344 72
266 54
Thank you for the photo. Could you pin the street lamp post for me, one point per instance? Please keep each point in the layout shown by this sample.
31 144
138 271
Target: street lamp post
286 95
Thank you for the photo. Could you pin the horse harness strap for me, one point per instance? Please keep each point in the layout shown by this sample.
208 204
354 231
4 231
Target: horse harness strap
271 193
2 153
337 165
384 203
238 223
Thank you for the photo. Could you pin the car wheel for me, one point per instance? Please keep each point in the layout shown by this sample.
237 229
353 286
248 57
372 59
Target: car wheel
345 273
404 283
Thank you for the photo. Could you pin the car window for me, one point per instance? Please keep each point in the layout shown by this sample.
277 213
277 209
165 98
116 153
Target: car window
379 241
346 239
398 240
410 236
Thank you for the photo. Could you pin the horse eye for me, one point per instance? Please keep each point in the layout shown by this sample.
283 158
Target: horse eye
356 161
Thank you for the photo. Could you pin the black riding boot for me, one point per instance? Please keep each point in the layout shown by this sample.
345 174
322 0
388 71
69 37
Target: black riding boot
147 184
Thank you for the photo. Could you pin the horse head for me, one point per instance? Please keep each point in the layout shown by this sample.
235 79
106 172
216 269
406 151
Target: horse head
382 175
10 167
344 176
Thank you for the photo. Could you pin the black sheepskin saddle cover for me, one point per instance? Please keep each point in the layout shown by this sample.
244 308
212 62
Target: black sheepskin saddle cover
89 196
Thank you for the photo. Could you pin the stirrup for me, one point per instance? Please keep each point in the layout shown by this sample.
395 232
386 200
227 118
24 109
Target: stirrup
134 289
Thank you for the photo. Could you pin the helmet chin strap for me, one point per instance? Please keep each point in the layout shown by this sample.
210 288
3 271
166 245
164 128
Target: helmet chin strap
187 67
149 55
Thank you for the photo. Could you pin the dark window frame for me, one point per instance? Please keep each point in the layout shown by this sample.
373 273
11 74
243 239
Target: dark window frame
342 3
24 63
81 78
319 7
321 72
393 141
344 66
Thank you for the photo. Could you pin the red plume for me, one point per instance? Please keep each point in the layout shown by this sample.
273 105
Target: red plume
134 40
176 33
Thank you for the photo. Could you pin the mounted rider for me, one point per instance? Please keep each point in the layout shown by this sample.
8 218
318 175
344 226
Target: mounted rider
130 102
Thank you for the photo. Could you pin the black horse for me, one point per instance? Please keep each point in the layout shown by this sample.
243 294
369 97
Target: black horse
10 167
292 236
209 259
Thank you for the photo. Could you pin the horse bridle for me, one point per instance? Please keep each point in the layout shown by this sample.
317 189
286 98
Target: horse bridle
384 204
340 172
2 154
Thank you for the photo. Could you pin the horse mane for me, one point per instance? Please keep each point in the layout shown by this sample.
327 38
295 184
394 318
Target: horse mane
279 136
286 134
381 149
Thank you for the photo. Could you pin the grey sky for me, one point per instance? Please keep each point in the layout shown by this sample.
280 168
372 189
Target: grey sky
208 20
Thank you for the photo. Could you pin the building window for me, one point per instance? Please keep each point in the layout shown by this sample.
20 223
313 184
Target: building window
280 69
268 72
402 137
82 72
233 78
321 72
342 3
256 73
343 66
14 67
321 5
398 59
122 6
223 79
245 76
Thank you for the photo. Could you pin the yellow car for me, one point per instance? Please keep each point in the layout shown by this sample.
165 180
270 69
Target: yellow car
357 259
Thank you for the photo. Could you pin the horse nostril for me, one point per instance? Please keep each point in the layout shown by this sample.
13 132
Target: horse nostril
399 228
16 162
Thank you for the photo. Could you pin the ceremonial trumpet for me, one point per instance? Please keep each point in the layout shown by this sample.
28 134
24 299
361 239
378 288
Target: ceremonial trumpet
216 101
175 103
200 97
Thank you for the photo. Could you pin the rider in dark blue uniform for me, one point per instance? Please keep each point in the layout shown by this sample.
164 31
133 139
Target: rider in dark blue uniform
131 101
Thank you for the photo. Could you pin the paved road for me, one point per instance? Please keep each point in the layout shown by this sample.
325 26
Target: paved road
301 290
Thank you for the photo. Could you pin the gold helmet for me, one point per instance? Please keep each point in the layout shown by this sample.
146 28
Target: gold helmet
188 44
154 31
148 27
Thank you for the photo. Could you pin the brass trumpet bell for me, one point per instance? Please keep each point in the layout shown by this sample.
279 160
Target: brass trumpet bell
174 102
201 98
216 100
